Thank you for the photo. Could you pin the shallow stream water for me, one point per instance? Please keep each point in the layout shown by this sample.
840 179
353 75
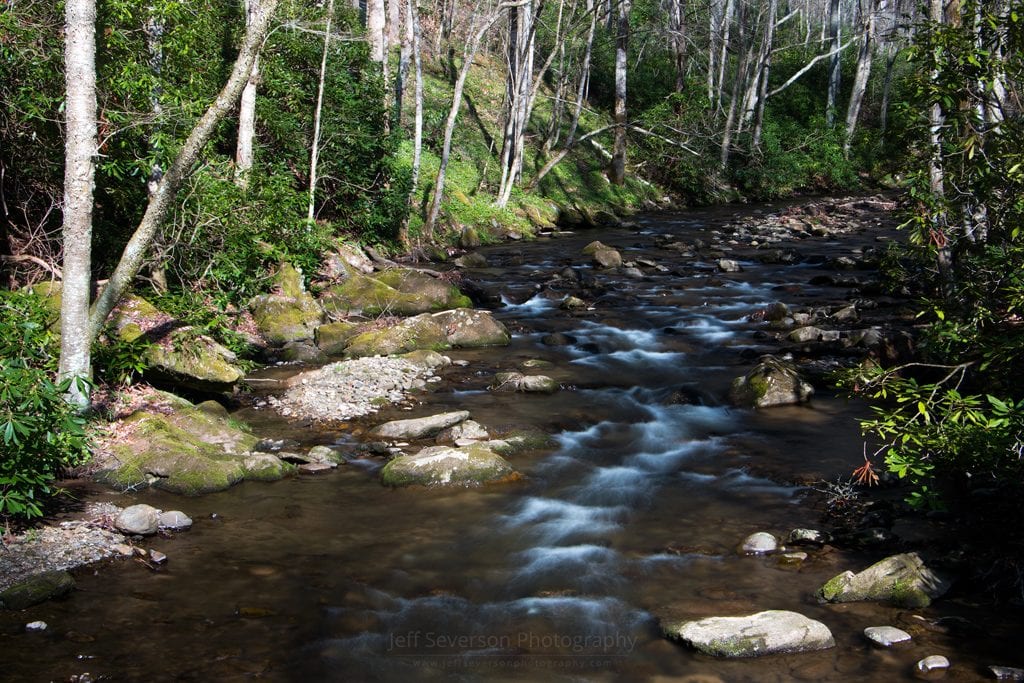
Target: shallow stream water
635 516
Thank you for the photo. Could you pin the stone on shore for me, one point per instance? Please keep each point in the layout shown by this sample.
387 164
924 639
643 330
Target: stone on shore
764 633
396 291
901 579
419 428
447 466
471 328
289 313
138 519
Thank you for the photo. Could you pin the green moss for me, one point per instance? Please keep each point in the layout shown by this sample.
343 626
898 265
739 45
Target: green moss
409 335
834 587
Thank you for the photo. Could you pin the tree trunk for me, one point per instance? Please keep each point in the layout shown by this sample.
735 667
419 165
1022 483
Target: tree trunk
162 201
314 154
764 72
835 11
247 117
677 31
617 173
890 62
860 79
723 57
936 177
79 173
412 17
468 53
377 32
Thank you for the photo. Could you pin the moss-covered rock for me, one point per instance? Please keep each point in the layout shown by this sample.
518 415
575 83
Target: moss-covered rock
901 579
396 291
180 448
266 467
194 360
332 338
36 589
773 382
517 381
421 332
288 314
470 328
446 466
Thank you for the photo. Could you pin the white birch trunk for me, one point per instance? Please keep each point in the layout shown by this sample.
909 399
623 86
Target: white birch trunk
247 117
79 173
835 63
863 73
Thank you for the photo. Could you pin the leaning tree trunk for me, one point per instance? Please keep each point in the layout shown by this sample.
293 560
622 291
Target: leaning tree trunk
162 201
79 172
617 172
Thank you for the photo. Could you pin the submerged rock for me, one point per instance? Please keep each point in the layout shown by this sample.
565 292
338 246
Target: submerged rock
419 428
764 633
36 589
902 579
444 465
175 520
773 382
932 663
1006 673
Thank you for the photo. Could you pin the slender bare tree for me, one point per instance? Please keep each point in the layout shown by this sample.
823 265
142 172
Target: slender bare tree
247 116
314 155
617 172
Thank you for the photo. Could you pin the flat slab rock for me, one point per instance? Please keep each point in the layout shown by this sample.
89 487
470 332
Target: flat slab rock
421 427
886 636
763 633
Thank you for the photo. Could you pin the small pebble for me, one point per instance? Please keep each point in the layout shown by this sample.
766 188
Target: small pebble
157 557
36 626
1006 673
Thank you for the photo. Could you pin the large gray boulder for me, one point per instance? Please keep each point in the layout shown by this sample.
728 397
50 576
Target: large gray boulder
419 428
467 327
447 466
764 633
773 382
901 579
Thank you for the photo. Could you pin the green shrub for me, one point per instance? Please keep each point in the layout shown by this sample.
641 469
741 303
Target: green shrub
41 432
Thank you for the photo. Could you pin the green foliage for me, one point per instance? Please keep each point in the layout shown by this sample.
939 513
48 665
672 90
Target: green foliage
120 361
41 433
959 416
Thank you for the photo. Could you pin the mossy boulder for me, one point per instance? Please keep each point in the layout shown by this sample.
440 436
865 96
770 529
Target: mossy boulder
421 332
516 381
194 360
288 314
50 294
902 579
773 382
468 328
266 467
396 291
36 589
763 633
332 338
177 447
447 466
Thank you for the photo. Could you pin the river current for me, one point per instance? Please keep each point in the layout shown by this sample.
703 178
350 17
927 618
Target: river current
633 517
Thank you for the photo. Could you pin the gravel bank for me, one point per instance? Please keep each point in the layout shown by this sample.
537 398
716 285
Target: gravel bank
351 388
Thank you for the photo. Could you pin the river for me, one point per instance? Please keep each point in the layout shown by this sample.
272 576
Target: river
635 516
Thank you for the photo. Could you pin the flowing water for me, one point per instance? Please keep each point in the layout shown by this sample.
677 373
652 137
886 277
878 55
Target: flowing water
635 516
